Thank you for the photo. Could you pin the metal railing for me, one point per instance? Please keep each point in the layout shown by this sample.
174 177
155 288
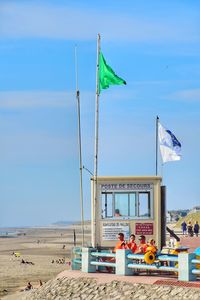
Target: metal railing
196 271
76 258
102 262
124 262
156 266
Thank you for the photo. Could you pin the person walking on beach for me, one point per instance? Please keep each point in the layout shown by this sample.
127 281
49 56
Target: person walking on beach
184 227
196 228
190 228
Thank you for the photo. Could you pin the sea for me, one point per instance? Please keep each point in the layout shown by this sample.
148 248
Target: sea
8 233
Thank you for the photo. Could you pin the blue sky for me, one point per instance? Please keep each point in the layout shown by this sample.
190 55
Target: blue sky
153 45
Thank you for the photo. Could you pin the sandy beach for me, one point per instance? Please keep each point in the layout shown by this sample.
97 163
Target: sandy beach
39 246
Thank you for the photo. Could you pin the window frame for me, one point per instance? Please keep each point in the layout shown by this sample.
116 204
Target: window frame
136 217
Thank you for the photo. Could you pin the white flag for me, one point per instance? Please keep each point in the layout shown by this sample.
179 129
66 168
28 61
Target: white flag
170 147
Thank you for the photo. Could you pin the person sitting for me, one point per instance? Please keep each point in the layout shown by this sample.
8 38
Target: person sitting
29 286
117 213
142 247
132 244
29 263
151 246
121 244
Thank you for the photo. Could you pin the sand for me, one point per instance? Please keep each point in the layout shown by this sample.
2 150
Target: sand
39 246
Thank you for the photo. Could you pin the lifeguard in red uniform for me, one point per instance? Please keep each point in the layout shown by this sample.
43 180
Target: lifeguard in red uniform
132 244
121 244
151 246
142 247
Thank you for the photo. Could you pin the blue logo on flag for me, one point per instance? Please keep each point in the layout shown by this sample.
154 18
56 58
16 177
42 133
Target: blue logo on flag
175 142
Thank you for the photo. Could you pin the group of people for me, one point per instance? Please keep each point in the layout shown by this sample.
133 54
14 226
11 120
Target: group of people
27 262
190 229
141 248
58 261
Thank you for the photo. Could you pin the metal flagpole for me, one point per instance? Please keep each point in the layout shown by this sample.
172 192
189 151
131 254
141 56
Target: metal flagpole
80 150
162 194
96 145
157 120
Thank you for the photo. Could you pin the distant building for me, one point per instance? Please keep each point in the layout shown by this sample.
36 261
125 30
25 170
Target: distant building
194 209
168 217
175 215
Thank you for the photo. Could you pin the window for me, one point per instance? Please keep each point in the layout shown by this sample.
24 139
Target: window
121 204
107 205
134 205
144 204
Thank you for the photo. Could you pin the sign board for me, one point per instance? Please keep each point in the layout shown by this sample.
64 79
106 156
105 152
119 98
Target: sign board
110 230
144 228
126 187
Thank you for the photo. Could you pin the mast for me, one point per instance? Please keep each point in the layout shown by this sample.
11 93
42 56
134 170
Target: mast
80 149
157 120
96 146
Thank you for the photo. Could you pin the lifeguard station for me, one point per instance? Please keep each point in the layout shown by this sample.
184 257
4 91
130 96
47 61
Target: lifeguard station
134 204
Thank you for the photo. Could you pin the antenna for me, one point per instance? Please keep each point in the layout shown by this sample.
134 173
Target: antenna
79 143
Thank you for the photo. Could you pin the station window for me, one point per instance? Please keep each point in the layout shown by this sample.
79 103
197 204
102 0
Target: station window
107 205
121 205
144 204
126 205
132 204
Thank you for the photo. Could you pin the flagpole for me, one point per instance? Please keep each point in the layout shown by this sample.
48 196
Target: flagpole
162 173
80 148
96 145
157 120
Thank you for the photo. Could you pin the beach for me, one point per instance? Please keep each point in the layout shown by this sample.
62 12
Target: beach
46 253
38 247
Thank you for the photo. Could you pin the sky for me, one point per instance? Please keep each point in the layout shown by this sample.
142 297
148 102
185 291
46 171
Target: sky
153 45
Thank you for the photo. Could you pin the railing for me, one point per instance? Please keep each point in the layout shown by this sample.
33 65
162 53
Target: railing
76 258
196 271
103 254
155 266
124 262
102 262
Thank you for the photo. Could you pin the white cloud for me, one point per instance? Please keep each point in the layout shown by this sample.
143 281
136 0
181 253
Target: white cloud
186 95
39 20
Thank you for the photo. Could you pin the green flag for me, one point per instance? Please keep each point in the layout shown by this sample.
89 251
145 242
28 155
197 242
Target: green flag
107 76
